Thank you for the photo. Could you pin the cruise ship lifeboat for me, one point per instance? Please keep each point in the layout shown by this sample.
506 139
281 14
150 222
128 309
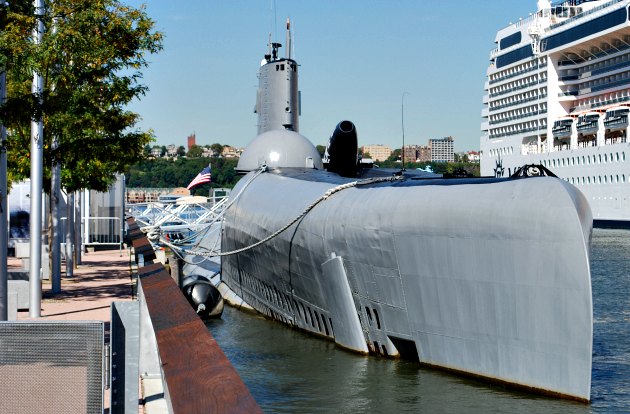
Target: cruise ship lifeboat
588 123
562 128
616 118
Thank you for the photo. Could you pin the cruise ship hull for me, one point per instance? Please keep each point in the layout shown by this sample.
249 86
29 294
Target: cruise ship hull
485 277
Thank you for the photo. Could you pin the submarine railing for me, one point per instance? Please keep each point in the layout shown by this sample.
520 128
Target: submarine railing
181 366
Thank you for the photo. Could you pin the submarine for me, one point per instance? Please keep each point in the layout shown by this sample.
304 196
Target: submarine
487 277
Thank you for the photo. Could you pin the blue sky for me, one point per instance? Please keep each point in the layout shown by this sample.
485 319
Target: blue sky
356 58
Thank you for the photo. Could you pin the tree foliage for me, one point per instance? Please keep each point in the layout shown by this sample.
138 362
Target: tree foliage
195 151
166 173
91 58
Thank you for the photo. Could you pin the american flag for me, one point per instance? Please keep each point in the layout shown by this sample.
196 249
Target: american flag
204 176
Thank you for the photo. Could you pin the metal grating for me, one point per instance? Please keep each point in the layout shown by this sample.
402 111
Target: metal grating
51 367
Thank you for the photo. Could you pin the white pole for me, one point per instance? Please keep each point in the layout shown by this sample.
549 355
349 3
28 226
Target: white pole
37 167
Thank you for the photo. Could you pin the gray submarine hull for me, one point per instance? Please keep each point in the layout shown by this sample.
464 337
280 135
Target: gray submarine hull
488 277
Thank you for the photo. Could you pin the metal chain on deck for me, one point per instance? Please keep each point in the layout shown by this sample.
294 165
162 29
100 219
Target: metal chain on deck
299 217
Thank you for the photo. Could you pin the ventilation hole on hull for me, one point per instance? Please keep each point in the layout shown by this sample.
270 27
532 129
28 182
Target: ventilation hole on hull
325 326
384 350
377 348
332 330
319 326
304 313
311 317
369 315
378 321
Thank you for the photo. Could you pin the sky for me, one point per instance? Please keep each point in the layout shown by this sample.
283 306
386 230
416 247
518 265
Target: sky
377 63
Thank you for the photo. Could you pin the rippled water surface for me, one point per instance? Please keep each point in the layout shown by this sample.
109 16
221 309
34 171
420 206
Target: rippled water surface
288 371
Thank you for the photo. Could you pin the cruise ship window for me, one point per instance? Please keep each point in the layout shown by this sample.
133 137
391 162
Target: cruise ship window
623 178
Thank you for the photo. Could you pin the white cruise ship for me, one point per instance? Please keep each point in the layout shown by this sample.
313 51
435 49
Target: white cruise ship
558 94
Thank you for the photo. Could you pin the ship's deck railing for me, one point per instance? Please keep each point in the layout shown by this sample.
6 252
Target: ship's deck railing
565 24
595 12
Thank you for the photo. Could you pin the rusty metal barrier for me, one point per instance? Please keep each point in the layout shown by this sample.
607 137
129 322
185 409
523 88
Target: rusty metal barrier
197 376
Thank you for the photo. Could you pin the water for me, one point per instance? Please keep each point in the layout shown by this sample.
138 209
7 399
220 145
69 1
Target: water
288 371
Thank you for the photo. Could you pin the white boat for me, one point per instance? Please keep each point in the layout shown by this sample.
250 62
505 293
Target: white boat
557 93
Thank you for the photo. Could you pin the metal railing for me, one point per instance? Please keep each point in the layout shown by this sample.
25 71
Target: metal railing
98 231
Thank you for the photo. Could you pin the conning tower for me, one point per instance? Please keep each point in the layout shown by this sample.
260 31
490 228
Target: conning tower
278 98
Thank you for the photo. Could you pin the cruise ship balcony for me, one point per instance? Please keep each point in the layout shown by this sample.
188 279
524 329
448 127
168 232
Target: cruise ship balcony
588 123
616 119
562 128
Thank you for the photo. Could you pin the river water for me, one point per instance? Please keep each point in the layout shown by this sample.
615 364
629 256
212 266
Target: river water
288 371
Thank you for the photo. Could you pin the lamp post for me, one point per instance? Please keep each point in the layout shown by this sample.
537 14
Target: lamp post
402 121
4 236
37 168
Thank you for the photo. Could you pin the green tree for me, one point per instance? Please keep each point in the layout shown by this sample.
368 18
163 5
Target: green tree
195 151
90 58
181 151
217 149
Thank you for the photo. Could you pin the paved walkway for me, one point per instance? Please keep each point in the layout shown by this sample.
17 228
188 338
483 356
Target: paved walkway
102 278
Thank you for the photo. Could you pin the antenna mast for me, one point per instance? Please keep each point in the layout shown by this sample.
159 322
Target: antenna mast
402 121
289 40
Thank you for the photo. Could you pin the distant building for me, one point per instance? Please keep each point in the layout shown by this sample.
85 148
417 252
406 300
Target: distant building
442 149
207 152
377 152
156 152
410 153
473 156
423 153
230 152
192 138
171 151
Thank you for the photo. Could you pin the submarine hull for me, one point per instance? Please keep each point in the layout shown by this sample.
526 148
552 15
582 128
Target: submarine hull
485 277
